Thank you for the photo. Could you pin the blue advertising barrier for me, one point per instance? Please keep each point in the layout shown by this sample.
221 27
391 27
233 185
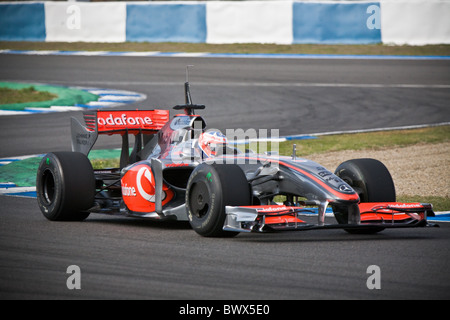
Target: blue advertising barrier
336 23
22 22
418 22
166 22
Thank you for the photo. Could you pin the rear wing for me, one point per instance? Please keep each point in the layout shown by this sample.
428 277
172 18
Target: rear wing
123 122
129 121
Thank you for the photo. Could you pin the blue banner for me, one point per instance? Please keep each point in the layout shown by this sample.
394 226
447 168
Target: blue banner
336 23
22 22
166 22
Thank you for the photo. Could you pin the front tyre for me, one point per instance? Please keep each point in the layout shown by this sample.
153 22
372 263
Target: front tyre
371 180
65 186
210 188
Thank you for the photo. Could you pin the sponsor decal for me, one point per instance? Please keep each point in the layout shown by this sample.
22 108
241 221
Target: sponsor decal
345 188
138 189
128 191
134 119
124 120
273 208
406 206
144 176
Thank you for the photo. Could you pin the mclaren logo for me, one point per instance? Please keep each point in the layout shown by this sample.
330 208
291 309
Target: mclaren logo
345 188
143 174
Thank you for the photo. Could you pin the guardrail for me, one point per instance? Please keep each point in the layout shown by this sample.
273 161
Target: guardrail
416 22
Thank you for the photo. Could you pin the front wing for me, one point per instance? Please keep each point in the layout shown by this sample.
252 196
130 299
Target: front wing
287 218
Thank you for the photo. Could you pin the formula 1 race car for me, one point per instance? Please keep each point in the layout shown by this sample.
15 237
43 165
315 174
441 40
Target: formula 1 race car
179 170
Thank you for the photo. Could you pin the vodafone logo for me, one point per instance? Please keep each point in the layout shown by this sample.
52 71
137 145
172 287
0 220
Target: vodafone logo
123 120
128 191
146 185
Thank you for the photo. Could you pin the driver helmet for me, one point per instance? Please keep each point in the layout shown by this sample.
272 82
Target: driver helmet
212 143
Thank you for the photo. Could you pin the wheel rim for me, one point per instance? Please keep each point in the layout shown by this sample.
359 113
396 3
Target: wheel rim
48 187
199 199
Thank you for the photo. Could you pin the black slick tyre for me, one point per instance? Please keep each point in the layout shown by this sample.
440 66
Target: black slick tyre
371 180
65 186
210 188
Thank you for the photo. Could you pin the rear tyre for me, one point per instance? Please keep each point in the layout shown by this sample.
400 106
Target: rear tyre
210 188
65 186
373 182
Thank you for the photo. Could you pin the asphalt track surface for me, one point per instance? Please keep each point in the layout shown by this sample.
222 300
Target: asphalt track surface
122 258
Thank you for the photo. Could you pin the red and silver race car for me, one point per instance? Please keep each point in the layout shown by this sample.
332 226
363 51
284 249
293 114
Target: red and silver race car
178 170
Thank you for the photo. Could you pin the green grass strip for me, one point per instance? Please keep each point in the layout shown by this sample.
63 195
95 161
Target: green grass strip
29 94
371 49
22 173
369 140
64 96
439 203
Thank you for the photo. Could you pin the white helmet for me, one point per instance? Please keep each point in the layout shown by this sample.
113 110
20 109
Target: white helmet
212 143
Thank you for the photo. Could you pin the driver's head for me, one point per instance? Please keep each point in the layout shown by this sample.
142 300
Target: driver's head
212 143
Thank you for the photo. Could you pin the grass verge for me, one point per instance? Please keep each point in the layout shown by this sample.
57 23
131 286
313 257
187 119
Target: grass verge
243 48
60 96
369 140
439 203
29 94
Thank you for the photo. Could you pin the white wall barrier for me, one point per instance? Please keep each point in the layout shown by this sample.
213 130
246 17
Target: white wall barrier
249 22
414 22
84 21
